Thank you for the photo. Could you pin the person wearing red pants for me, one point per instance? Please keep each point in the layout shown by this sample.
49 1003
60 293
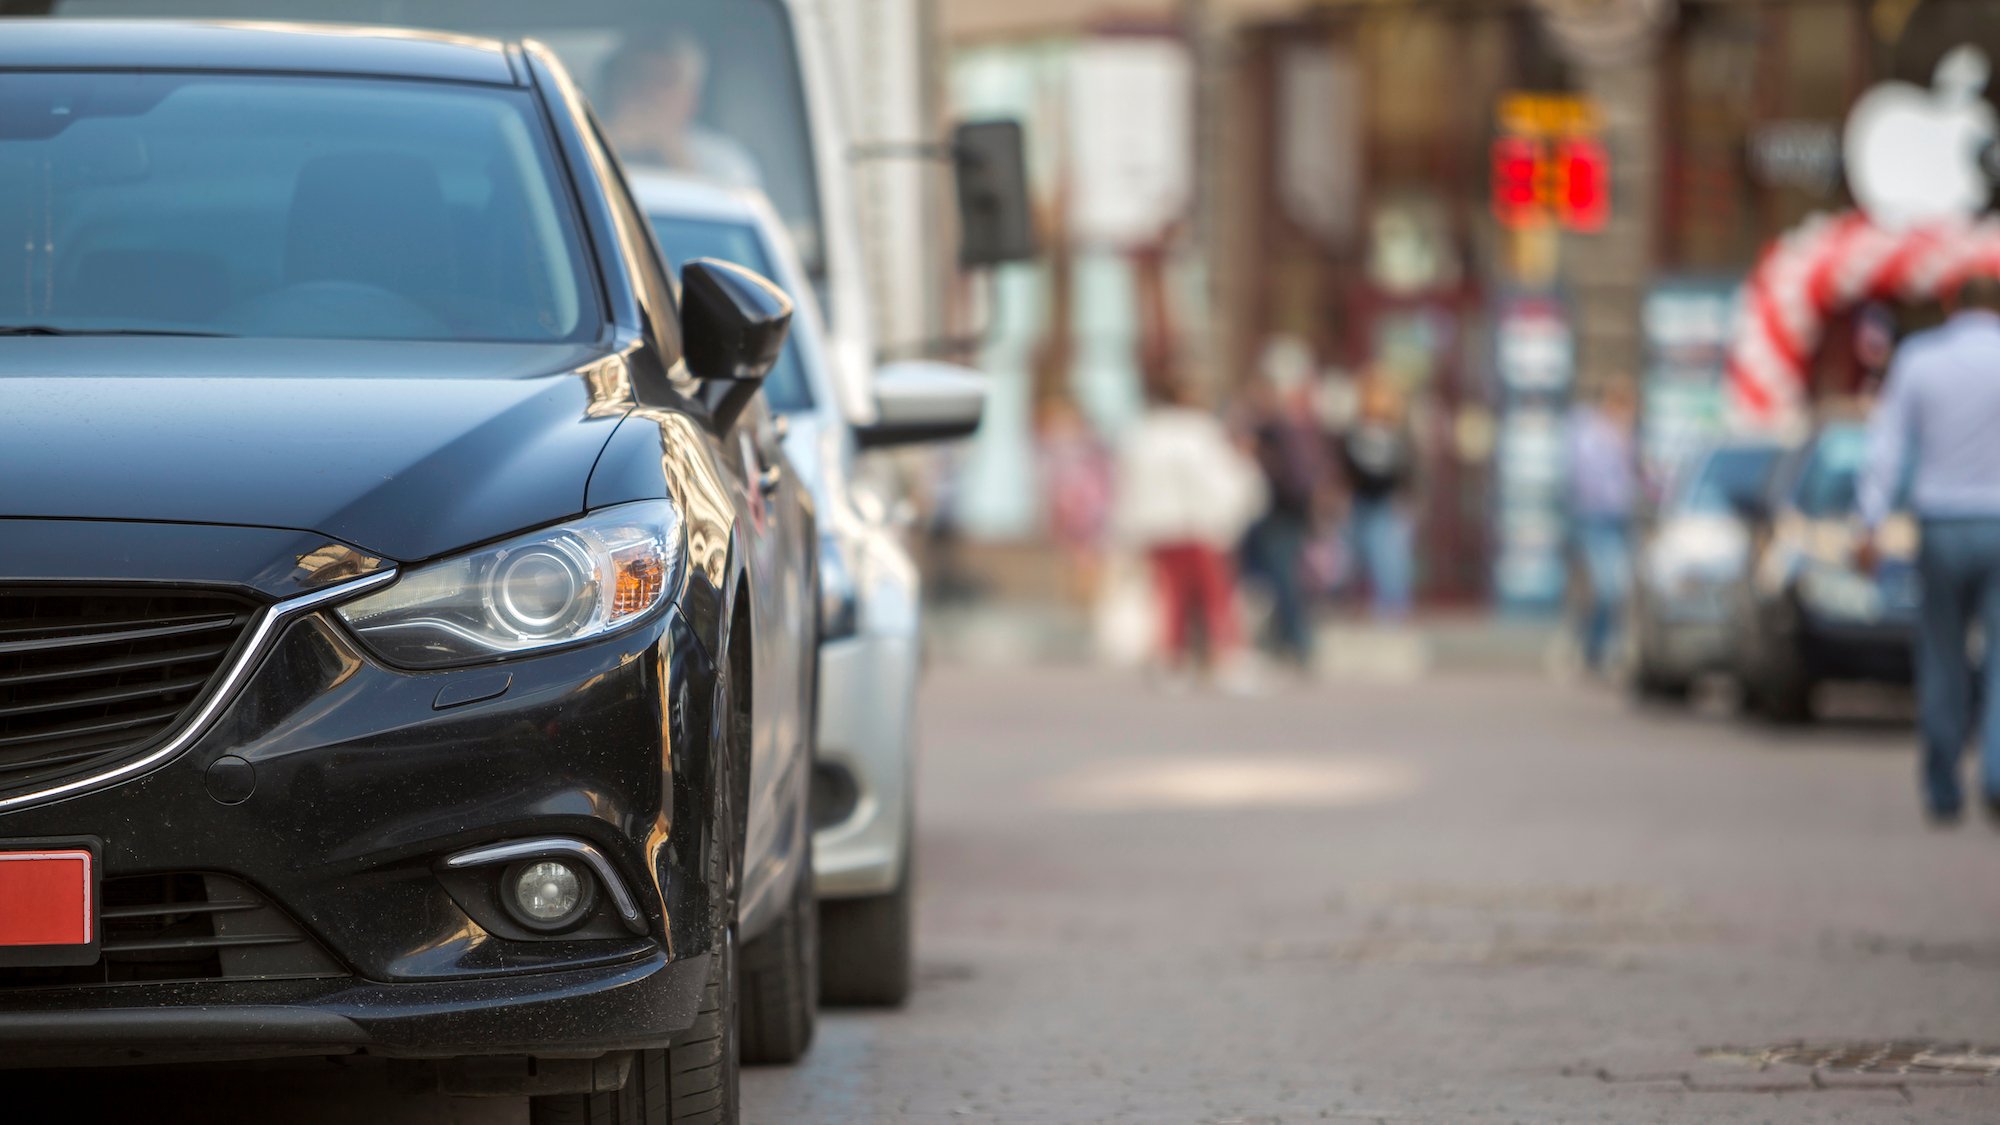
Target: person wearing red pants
1185 495
1196 584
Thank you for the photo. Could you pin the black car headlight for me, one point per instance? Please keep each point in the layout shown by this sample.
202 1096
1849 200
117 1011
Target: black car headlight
1836 591
552 587
839 597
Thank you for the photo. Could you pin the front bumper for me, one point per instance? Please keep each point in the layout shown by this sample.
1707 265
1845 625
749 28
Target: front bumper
1879 651
1685 646
579 1012
1686 629
366 779
867 685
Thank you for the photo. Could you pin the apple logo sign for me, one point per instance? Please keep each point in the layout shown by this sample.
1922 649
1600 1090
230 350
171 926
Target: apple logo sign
1916 156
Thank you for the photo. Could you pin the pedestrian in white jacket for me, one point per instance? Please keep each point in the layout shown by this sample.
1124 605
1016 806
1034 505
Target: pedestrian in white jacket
1185 495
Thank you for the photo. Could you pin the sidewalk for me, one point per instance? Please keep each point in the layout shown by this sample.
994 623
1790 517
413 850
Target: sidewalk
1016 633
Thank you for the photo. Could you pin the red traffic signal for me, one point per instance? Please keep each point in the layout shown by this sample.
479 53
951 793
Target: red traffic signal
1583 185
1517 182
1568 180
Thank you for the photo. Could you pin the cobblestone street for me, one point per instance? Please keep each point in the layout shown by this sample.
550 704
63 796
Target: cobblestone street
1468 898
1464 899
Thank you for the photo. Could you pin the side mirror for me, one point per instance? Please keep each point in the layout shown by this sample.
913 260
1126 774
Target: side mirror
924 401
995 214
733 321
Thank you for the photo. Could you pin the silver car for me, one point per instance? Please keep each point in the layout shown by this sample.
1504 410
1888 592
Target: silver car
1689 560
870 594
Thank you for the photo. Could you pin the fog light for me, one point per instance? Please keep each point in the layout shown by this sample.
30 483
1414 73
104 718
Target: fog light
546 894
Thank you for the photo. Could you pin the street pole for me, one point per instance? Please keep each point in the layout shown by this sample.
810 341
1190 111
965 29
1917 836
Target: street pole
1197 24
1613 48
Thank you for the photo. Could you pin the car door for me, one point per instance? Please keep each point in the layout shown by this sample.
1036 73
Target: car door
774 538
779 544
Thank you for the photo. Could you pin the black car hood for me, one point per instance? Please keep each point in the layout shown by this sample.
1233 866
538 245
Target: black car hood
408 450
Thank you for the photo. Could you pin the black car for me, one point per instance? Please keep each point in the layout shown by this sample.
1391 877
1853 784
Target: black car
1804 613
405 608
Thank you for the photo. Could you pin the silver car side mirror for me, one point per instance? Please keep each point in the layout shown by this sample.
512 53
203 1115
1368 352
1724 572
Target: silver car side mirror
924 401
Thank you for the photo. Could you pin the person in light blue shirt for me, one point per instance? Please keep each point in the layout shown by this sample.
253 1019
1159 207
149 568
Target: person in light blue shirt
1934 443
1602 468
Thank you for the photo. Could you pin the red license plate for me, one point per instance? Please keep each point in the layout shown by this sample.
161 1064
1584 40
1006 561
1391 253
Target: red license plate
48 907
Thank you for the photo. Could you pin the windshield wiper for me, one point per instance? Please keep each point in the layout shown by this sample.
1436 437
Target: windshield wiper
52 330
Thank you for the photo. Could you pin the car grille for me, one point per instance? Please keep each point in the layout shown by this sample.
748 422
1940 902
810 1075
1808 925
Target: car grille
185 926
90 676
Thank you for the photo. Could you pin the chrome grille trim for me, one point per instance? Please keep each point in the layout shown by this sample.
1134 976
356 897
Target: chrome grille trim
262 630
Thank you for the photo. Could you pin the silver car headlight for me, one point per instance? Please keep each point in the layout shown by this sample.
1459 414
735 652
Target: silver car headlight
1689 554
552 587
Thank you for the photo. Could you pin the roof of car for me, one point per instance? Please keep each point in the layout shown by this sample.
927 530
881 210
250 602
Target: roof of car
693 198
178 45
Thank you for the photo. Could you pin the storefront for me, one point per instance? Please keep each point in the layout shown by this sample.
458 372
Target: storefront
1345 190
1373 222
1365 228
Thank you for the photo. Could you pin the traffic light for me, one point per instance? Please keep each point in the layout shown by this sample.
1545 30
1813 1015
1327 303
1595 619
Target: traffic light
1583 185
1567 179
1517 182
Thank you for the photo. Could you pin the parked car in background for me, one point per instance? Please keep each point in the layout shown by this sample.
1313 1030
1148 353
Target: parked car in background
1691 557
1804 614
403 601
870 611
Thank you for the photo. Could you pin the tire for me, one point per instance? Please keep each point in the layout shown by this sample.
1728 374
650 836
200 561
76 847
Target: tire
694 1081
1779 688
864 946
1780 692
691 1083
1785 699
780 982
1650 685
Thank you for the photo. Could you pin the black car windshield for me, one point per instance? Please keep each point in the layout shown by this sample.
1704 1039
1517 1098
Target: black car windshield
1729 478
698 87
251 205
1828 484
682 239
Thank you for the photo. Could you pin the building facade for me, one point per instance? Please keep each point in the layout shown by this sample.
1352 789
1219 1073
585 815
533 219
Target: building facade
1350 188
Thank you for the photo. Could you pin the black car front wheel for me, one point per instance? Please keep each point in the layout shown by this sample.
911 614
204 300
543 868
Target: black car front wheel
694 1081
691 1083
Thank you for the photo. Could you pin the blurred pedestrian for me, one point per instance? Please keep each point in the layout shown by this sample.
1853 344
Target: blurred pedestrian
1076 484
1936 433
1602 467
652 100
1287 450
1185 495
1379 455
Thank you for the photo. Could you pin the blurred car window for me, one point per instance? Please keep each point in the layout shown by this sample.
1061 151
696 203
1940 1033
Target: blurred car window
682 240
692 86
1827 485
335 208
1728 479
